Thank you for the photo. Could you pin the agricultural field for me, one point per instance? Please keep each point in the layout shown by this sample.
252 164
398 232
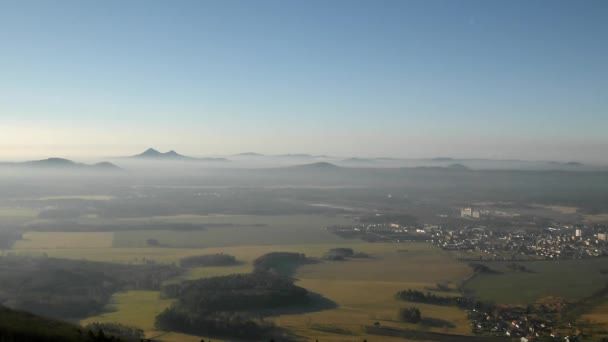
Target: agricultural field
596 319
17 215
362 289
235 230
569 279
133 308
78 197
599 218
61 240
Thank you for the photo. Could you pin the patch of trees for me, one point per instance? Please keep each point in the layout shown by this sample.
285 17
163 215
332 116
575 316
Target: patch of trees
125 332
343 254
218 259
152 242
70 289
428 298
17 326
223 305
279 262
8 239
481 268
519 268
416 296
237 292
410 315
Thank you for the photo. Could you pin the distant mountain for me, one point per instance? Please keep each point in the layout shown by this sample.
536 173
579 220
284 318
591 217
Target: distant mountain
316 166
61 163
296 155
457 166
358 160
249 154
442 159
574 164
152 154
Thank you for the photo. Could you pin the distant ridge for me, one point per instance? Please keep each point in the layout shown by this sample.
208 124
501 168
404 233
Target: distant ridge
296 155
358 160
61 163
153 154
249 154
317 166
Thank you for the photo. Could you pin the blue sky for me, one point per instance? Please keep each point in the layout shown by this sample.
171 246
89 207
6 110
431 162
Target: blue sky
498 79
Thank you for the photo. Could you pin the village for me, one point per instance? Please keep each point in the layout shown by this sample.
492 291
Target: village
556 241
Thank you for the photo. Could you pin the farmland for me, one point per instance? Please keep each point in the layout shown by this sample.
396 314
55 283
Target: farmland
363 289
569 279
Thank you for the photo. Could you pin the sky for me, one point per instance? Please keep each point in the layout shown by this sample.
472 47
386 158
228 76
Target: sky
412 79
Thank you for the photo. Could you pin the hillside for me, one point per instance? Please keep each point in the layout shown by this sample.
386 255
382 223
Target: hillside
153 154
19 326
60 163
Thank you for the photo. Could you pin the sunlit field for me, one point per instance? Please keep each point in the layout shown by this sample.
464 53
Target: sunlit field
64 240
569 279
362 289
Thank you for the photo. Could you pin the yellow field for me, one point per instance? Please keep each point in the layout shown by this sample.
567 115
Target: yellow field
17 215
363 289
61 240
599 315
560 209
169 255
599 218
133 308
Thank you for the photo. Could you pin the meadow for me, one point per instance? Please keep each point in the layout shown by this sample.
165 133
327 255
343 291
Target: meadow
236 230
363 289
63 240
569 279
17 215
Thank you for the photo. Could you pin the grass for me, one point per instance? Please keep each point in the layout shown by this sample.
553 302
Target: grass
560 209
364 290
599 218
62 240
81 197
134 308
246 230
17 215
569 279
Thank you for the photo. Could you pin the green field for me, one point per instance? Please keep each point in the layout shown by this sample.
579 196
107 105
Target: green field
133 308
55 240
569 279
363 289
17 215
240 230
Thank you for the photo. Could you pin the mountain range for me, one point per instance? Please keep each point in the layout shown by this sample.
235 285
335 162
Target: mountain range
152 154
60 163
